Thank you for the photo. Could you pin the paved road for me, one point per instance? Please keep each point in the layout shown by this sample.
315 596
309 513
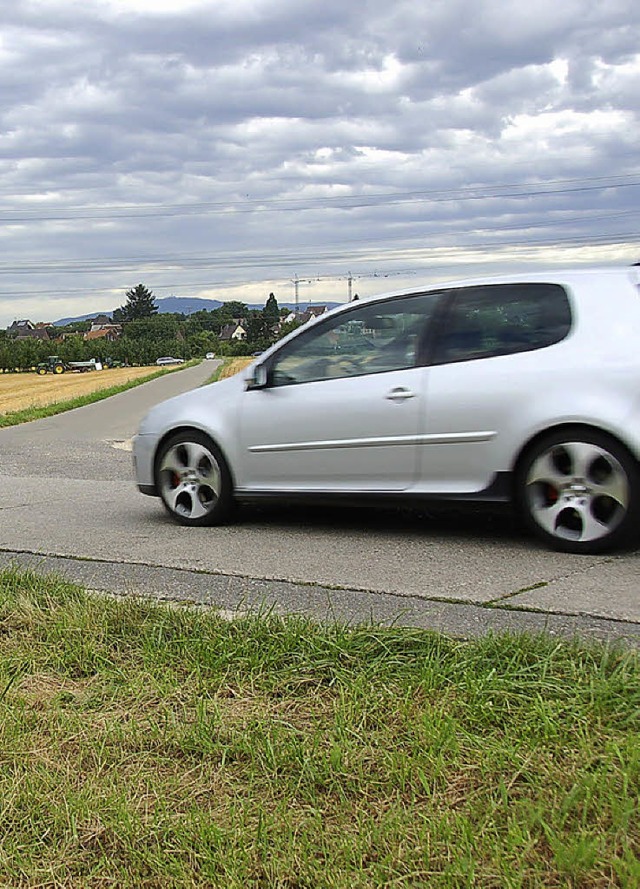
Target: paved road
69 505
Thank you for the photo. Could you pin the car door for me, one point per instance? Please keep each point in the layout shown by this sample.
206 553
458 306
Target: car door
343 406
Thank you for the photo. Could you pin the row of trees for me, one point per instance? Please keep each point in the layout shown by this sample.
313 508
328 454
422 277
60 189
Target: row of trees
146 334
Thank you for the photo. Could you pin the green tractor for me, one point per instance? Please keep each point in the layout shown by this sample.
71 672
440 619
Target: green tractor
53 364
56 365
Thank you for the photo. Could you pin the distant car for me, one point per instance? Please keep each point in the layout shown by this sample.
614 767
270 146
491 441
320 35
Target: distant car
168 360
210 355
522 390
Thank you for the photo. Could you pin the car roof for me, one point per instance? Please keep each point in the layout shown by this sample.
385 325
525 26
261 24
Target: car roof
568 277
565 276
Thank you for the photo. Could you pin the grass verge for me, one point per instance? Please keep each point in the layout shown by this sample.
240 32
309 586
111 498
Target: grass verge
142 745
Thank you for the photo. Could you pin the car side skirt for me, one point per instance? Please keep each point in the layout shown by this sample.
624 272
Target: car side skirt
499 491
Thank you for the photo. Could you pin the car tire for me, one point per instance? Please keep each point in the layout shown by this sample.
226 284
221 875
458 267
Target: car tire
579 490
193 480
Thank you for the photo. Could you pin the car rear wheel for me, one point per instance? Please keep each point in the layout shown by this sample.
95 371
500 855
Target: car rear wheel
579 490
193 480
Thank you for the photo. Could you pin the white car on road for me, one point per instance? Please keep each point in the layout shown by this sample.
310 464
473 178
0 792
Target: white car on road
522 390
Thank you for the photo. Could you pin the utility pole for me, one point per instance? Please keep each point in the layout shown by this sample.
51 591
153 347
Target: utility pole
295 291
350 284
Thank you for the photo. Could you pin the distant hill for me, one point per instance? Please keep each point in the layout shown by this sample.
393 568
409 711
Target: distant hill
187 305
184 305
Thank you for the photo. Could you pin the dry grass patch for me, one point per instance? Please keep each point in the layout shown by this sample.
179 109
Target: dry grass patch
28 390
234 366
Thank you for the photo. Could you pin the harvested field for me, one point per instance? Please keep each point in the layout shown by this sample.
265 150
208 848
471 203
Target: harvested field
234 366
22 391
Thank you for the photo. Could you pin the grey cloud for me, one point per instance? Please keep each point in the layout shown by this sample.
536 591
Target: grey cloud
238 108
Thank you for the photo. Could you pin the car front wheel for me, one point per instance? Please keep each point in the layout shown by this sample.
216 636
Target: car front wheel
579 490
193 480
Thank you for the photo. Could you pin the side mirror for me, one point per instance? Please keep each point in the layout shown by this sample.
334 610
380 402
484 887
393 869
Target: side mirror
259 377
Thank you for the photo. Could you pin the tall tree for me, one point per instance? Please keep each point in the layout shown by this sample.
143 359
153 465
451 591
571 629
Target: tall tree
271 312
257 329
140 304
235 308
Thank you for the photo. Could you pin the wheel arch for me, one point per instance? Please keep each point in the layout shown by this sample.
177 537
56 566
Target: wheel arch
190 427
573 427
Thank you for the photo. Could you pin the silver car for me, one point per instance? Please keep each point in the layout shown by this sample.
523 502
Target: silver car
522 390
169 360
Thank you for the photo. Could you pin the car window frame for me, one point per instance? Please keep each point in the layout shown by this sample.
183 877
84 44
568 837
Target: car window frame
316 329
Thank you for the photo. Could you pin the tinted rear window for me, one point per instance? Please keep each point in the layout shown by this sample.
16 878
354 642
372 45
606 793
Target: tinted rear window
502 319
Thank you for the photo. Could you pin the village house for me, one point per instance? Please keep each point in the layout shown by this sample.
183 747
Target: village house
103 327
233 331
109 334
302 317
27 330
310 313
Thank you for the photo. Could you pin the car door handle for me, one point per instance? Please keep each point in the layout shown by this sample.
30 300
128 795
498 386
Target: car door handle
400 394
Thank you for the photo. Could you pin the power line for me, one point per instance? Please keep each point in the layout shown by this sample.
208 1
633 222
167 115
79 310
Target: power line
551 188
242 259
413 254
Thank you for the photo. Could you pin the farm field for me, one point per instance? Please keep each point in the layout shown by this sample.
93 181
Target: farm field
233 366
28 390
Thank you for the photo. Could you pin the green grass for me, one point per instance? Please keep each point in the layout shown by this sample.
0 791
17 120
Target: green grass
14 418
152 746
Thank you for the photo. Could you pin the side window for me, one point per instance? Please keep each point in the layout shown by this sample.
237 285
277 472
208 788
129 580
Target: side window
368 339
502 319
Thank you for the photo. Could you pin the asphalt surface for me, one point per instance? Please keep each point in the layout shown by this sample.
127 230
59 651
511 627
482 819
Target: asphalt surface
69 505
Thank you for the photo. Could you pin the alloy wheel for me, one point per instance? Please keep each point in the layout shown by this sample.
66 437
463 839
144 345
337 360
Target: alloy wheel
579 493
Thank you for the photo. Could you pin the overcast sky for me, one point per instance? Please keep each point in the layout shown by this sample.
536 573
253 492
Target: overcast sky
224 148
